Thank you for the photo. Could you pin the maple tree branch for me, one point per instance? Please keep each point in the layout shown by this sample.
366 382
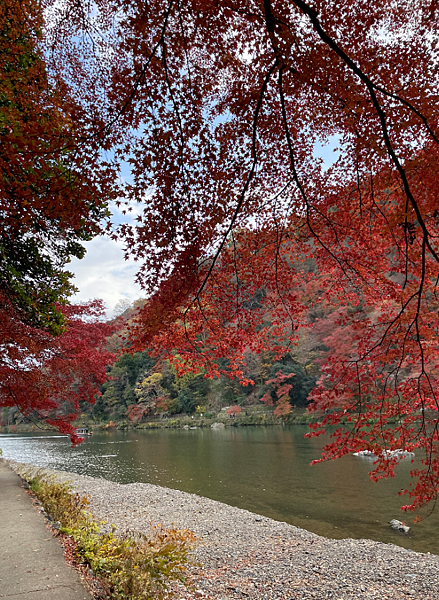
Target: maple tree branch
106 128
247 182
269 21
277 257
180 125
301 187
238 285
385 218
312 14
410 106
184 45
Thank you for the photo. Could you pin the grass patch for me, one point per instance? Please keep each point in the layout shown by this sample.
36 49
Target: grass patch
134 566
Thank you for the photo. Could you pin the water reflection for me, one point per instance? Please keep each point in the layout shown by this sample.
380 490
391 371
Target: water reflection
265 470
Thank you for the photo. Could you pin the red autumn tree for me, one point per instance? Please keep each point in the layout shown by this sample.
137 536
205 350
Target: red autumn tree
218 107
39 372
234 410
281 390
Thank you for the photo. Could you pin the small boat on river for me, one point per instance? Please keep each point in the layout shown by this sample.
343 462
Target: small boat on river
83 431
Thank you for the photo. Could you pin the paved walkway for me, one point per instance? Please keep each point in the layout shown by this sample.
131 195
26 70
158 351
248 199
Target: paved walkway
32 565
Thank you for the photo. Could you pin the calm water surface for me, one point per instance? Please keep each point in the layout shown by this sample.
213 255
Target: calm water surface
263 469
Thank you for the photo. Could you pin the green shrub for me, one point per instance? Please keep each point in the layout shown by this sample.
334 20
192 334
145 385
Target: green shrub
136 566
60 504
132 566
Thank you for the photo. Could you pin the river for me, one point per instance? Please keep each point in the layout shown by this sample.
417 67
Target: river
263 469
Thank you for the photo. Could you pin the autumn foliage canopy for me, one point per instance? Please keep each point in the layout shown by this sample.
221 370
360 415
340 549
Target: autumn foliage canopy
219 107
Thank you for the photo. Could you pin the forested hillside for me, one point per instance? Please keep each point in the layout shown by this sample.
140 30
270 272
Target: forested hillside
143 385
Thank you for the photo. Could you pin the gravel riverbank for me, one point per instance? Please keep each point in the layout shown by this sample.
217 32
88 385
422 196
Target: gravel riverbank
246 556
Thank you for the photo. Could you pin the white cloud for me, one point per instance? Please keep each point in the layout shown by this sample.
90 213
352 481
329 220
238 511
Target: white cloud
104 273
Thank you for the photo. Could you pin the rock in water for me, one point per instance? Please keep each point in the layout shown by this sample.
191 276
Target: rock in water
399 526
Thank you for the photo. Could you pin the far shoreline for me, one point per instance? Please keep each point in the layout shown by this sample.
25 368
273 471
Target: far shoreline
253 416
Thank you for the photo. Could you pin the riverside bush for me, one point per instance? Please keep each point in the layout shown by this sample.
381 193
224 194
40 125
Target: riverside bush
69 509
133 566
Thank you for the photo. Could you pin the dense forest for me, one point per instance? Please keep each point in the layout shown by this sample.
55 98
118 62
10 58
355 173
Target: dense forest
142 386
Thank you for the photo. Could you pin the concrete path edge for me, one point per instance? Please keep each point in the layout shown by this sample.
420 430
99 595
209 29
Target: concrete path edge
32 564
